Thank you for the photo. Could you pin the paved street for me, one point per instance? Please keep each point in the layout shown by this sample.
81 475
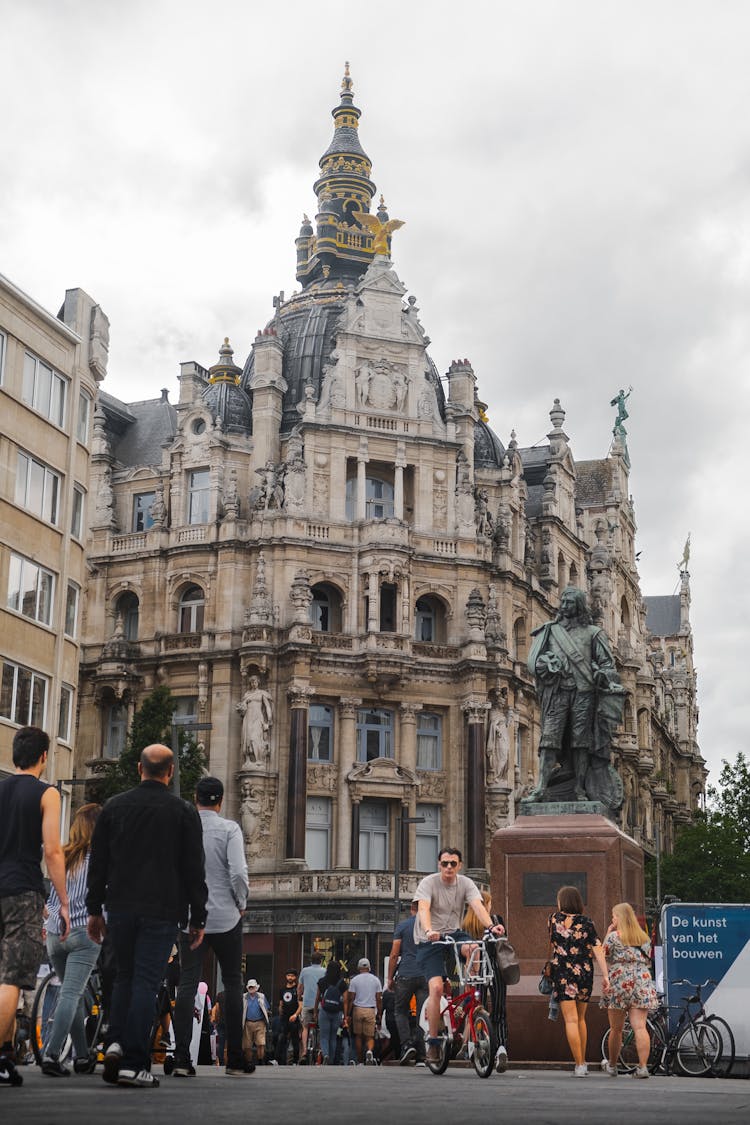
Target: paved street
391 1095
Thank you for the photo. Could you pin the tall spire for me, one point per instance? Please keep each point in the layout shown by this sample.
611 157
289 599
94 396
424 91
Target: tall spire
339 246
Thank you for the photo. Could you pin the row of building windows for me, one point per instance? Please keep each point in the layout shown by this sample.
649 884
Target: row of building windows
23 699
31 592
379 501
39 490
430 618
46 391
377 835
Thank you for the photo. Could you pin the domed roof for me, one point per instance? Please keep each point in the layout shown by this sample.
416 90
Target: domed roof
224 396
489 451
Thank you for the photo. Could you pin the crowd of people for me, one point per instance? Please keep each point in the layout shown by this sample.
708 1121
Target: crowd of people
148 881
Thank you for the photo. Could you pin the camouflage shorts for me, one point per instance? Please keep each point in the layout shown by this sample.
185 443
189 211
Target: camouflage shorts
21 945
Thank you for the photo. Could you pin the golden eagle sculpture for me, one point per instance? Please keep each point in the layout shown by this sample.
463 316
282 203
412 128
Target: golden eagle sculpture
379 230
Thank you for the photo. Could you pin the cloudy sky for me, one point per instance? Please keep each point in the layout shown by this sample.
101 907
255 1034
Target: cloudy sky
575 181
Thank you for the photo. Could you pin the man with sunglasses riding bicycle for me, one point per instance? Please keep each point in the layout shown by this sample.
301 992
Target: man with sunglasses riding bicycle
443 898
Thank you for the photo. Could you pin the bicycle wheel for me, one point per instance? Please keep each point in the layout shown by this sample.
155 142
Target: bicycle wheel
42 1017
440 1065
659 1040
725 1062
698 1049
628 1058
484 1044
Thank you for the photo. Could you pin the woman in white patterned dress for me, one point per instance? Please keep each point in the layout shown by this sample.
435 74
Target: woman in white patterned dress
631 992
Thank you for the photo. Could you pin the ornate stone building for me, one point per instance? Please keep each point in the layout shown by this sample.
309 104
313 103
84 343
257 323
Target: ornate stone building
50 370
330 557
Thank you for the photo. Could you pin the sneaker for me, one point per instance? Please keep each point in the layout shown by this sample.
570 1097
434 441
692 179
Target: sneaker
9 1076
54 1068
433 1053
501 1060
580 1071
641 1072
112 1057
610 1070
183 1070
408 1056
369 1060
324 1060
352 1062
85 1066
142 1078
421 1063
237 1071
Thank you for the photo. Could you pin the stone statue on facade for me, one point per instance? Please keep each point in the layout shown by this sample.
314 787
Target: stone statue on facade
256 709
497 747
581 701
251 817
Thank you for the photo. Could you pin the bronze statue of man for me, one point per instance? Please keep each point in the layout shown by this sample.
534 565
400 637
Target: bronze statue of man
581 702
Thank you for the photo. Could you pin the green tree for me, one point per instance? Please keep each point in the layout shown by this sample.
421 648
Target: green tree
152 722
711 857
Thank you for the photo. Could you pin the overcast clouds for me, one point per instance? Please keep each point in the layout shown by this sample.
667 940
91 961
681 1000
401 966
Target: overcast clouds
575 179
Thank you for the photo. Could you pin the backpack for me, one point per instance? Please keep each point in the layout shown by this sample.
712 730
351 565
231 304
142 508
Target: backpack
332 999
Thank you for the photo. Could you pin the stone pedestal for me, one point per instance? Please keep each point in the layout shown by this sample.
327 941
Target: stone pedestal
530 861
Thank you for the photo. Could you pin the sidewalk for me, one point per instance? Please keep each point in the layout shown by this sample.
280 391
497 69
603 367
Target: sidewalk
394 1095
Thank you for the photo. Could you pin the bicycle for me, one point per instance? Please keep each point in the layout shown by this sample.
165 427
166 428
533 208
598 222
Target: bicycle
43 1014
313 1055
700 1045
466 1022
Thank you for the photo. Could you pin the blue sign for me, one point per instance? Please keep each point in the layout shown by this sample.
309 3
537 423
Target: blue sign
702 941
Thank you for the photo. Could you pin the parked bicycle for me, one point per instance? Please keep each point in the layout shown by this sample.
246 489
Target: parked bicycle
313 1055
43 1014
700 1045
466 1023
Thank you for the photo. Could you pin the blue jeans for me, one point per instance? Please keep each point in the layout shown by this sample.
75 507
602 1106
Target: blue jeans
141 947
228 950
73 960
329 1023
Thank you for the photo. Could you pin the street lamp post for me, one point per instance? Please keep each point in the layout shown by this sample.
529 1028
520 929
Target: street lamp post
400 820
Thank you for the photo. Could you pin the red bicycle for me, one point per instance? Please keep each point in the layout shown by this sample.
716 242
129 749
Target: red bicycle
466 1022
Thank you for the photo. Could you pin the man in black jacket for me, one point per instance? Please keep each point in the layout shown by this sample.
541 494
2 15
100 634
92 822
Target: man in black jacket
147 868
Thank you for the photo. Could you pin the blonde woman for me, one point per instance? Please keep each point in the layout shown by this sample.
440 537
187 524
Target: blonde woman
632 992
575 946
74 956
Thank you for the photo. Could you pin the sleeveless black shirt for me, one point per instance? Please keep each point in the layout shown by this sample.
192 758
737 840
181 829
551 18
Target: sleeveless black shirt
21 834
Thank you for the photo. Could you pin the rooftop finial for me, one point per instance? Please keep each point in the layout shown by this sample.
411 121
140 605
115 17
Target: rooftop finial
347 86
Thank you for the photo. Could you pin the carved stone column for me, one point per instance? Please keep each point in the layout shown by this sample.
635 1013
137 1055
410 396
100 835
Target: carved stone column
346 756
354 842
398 491
408 760
296 805
475 711
373 595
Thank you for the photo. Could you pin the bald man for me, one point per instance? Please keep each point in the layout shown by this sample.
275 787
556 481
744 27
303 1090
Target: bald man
147 868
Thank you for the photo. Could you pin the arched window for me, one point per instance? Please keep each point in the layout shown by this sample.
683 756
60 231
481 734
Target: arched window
519 639
430 620
562 572
325 608
625 613
644 729
128 609
573 576
627 716
192 605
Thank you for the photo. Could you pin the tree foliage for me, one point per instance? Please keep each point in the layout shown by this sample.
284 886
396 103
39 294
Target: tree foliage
711 857
152 722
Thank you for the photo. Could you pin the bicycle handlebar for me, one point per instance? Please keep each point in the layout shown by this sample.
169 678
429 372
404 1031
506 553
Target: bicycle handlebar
705 984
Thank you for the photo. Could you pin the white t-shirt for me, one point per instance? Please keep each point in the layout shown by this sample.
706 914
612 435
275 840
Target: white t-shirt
365 987
447 901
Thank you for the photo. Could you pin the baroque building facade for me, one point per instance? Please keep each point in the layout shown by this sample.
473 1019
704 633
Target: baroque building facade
335 564
50 371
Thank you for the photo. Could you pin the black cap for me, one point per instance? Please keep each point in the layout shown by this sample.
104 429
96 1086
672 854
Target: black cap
209 791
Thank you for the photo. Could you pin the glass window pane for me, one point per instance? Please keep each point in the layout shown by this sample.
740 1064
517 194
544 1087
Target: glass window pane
23 697
43 389
71 610
66 708
14 582
6 691
38 701
83 418
57 401
142 506
45 597
76 521
35 489
29 378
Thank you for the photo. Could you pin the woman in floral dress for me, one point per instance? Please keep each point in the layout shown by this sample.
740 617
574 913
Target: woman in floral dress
632 992
574 947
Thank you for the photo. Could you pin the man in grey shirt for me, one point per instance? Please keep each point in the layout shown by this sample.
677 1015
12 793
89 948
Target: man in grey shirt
226 878
443 898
